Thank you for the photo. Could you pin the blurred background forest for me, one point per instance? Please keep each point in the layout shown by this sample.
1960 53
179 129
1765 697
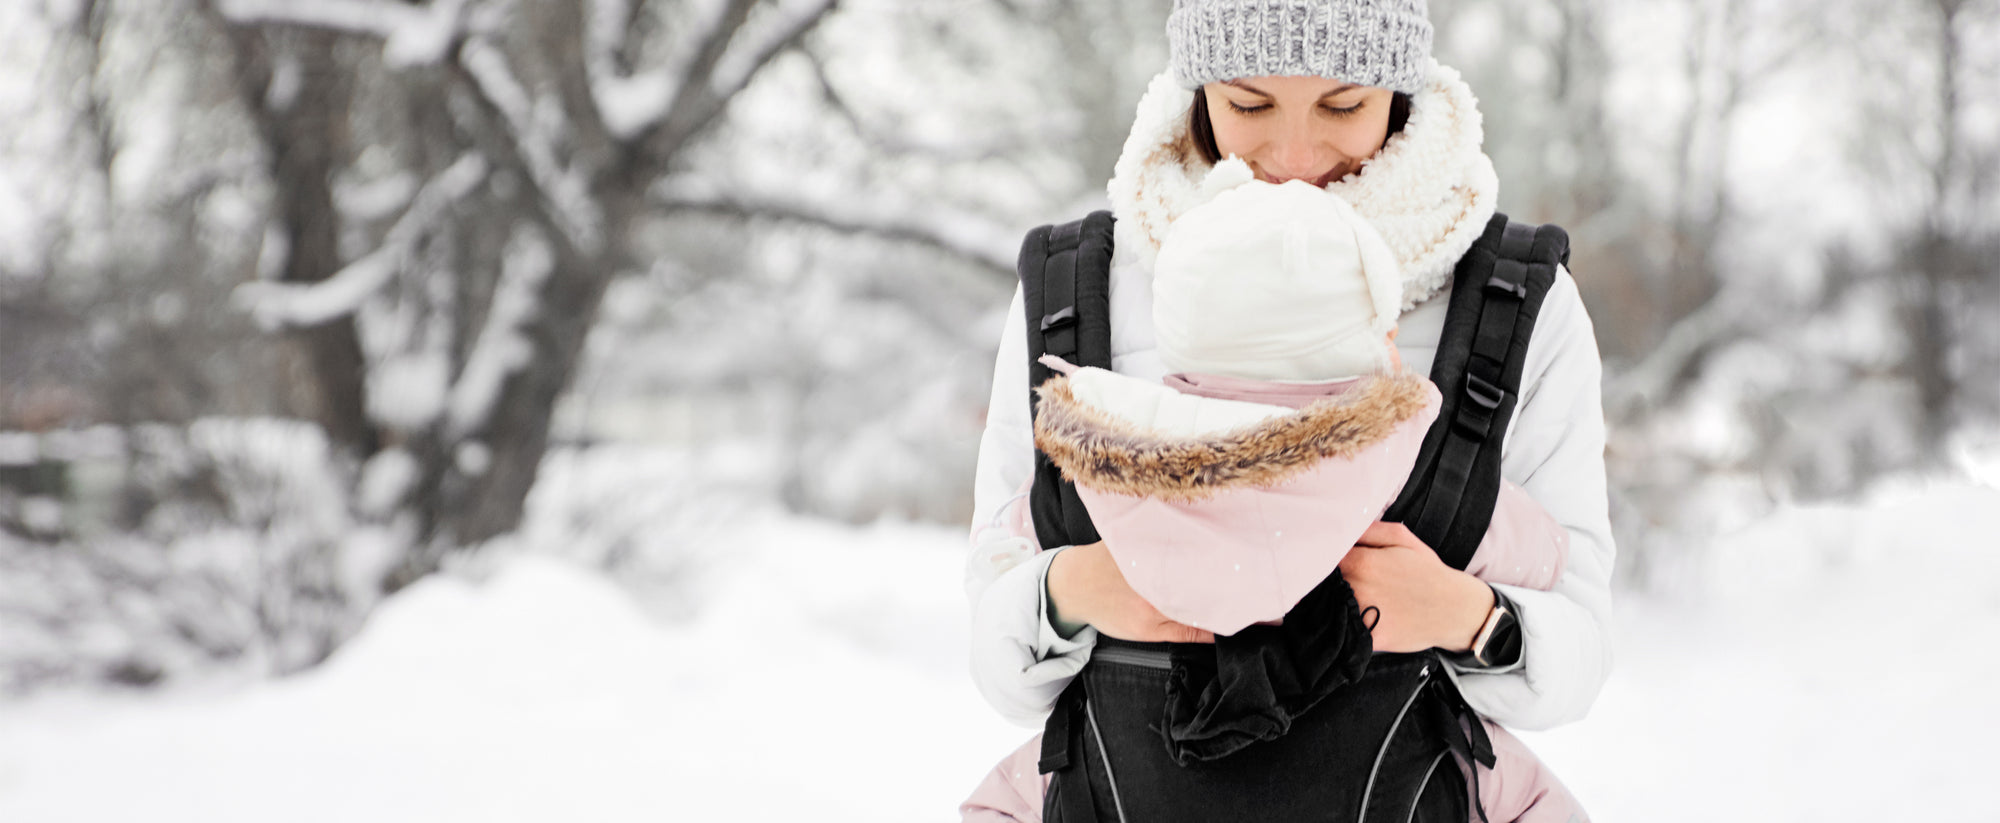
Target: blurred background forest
304 301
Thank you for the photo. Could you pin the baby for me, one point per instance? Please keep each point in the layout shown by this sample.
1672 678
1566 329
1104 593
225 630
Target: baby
1285 427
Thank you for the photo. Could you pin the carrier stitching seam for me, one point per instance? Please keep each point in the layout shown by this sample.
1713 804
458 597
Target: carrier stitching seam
1368 791
1090 713
1425 783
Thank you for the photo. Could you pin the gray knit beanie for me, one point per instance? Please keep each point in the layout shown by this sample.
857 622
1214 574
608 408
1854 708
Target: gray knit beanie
1382 43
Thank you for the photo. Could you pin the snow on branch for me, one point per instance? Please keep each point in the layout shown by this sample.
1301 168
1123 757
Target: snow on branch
294 305
607 24
502 347
968 236
786 22
723 19
633 104
731 52
571 208
629 103
692 53
714 57
411 35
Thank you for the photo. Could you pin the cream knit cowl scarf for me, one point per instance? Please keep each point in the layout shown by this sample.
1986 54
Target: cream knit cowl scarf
1429 192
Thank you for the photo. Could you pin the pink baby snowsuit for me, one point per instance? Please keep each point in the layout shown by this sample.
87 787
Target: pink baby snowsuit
1223 531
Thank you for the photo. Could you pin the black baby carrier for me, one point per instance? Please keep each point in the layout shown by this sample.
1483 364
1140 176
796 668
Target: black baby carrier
1300 721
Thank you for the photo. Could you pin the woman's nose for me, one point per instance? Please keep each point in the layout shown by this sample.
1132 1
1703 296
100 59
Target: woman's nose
1295 155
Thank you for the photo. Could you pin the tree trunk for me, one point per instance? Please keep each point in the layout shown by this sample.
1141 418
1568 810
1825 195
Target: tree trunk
304 125
517 434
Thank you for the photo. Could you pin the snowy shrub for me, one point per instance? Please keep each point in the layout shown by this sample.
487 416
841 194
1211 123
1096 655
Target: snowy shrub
233 546
226 543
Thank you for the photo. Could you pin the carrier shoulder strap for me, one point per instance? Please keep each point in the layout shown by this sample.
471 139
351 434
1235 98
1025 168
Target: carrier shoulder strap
1497 291
1065 275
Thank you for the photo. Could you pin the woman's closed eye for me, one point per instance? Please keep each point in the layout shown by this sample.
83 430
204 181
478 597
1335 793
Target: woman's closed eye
1260 108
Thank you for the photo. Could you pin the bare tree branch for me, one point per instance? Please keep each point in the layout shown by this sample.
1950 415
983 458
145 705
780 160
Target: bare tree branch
618 19
705 93
995 144
561 35
290 305
976 240
1676 358
735 72
564 198
694 81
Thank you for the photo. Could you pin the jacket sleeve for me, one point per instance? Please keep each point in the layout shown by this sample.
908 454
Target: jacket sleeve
1523 545
1555 451
1019 662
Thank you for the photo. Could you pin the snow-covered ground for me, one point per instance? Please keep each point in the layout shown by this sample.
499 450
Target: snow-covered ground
1831 670
1832 667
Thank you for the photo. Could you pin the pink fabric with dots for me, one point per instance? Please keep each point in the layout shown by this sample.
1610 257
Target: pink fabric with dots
1286 539
1248 555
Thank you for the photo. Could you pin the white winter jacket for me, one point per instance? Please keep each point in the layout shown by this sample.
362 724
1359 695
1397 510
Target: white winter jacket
1554 447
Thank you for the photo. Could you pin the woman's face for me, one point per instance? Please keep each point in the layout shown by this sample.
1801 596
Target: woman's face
1298 128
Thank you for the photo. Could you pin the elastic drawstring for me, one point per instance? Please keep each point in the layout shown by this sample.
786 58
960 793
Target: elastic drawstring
1474 746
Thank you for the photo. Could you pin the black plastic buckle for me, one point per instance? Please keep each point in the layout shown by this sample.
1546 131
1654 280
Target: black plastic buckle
1486 395
1496 284
1061 319
1059 332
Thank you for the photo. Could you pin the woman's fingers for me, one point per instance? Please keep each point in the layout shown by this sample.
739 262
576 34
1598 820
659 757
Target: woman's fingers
1086 585
1183 633
1150 626
1144 624
1384 533
1420 602
1127 616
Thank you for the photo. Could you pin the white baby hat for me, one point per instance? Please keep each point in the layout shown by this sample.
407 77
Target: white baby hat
1273 282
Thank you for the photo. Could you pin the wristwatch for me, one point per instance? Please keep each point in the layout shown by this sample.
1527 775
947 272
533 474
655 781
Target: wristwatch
1498 642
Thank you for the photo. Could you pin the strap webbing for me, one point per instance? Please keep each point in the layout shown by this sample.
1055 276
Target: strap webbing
1062 755
1497 291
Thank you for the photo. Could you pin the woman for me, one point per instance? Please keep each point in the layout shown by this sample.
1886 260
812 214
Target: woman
1344 94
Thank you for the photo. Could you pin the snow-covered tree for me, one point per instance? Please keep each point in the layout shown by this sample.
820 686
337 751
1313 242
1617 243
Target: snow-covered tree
500 157
433 202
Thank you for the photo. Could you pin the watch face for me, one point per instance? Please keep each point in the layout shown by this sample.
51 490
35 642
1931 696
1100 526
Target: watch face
1503 647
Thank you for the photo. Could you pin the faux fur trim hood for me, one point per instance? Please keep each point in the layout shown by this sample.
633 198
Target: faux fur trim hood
1096 449
1428 192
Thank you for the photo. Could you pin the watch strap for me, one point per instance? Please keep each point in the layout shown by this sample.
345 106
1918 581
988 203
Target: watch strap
1498 644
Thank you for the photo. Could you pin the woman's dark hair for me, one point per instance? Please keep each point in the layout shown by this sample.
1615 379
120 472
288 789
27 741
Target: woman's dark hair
1201 130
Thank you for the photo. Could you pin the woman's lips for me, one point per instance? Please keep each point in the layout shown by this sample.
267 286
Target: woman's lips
1321 182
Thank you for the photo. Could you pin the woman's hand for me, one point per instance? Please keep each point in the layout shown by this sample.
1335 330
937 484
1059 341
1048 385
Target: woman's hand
1085 586
1421 602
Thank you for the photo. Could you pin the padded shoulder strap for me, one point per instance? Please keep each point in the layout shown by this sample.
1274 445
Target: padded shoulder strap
1065 275
1497 291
